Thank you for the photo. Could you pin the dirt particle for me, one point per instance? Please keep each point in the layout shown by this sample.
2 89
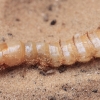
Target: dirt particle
64 98
98 68
62 69
42 73
77 64
50 36
12 76
33 95
63 24
50 7
45 17
83 71
53 22
45 90
32 67
64 87
17 19
98 27
51 98
49 72
3 39
95 90
10 34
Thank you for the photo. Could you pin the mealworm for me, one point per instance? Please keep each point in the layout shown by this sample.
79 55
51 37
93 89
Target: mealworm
81 48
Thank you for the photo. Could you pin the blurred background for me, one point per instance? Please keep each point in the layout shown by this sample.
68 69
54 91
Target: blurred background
49 20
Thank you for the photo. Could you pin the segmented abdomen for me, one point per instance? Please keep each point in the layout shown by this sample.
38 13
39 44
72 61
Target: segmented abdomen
81 48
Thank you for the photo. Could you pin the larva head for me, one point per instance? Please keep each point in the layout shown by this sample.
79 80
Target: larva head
14 53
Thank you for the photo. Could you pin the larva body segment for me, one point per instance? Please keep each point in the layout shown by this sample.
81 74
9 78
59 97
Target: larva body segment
84 46
81 48
30 52
14 54
97 32
70 54
95 40
55 54
43 54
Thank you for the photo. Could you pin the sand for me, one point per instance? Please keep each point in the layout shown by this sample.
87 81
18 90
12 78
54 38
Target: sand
49 20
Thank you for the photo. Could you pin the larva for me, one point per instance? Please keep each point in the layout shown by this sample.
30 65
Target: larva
81 48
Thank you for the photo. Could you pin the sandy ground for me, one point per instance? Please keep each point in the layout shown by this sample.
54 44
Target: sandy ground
49 20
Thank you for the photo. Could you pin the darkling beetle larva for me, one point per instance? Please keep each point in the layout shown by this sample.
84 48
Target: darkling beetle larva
81 48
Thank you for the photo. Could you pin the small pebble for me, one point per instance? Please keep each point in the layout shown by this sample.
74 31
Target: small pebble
17 19
10 34
45 17
50 7
95 90
3 39
53 22
62 68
